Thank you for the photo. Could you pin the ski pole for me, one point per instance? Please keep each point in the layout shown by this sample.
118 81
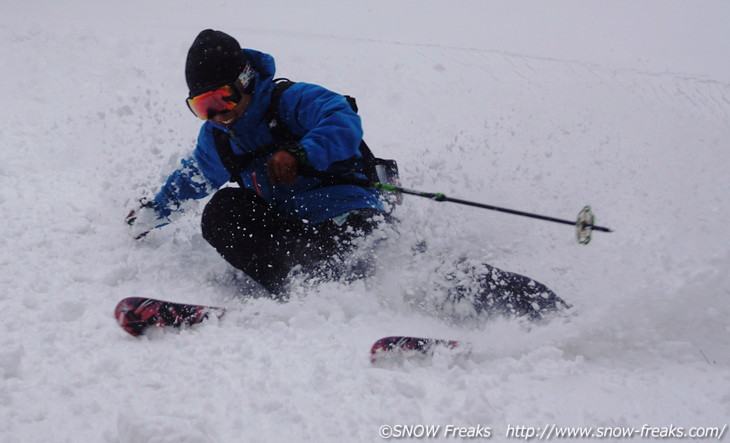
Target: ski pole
584 224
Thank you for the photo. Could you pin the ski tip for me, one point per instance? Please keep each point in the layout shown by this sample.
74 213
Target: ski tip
126 318
137 314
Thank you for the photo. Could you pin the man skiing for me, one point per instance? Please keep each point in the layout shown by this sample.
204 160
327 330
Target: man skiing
294 206
284 214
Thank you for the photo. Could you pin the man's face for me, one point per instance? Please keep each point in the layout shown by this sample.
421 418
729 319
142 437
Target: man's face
225 104
227 118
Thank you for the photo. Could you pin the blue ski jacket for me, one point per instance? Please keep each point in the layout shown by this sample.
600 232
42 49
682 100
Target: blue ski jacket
331 133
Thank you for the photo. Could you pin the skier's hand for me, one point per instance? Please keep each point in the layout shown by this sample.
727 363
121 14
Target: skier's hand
283 168
284 165
144 219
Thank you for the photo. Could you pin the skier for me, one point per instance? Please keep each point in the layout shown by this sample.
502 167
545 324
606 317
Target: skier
281 216
293 207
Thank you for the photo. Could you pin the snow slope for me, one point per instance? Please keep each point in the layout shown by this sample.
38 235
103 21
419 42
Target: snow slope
540 106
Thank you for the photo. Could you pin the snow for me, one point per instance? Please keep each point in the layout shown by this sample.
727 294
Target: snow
538 106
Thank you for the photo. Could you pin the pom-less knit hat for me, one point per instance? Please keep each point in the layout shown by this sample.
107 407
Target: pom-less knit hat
214 59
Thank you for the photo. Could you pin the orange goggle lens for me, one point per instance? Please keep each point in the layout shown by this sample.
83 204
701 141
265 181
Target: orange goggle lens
206 105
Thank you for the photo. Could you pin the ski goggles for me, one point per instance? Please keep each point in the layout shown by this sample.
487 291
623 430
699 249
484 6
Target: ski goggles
222 98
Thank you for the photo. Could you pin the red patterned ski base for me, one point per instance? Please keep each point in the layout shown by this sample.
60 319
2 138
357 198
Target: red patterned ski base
136 314
388 348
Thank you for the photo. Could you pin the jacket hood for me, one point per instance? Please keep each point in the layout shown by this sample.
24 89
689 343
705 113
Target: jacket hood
263 63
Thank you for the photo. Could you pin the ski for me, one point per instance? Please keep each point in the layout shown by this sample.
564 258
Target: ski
137 314
401 347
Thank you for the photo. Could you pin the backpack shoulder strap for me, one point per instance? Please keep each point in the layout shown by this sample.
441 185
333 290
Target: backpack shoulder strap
278 129
235 164
225 152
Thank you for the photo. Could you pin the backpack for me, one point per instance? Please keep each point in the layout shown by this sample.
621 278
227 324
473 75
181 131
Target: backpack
375 169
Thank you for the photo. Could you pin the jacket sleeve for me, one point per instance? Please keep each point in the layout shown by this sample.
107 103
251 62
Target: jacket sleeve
198 176
333 131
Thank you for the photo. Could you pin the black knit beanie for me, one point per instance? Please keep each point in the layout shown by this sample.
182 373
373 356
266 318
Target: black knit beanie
214 59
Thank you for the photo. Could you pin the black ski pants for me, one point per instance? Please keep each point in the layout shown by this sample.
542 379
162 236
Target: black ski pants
266 244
